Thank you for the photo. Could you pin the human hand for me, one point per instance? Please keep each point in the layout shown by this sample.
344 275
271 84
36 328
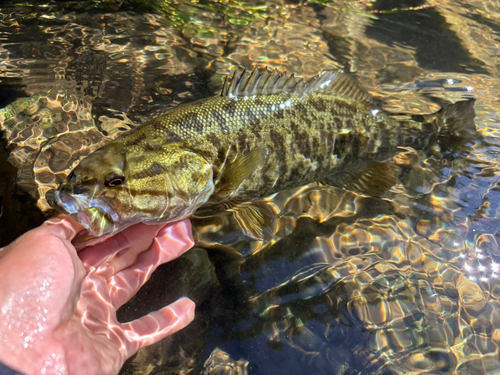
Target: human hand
58 308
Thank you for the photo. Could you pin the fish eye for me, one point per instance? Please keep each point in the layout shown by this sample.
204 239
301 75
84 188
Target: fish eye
114 180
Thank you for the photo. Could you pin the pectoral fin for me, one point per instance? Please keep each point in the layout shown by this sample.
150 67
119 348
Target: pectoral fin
366 177
255 217
235 173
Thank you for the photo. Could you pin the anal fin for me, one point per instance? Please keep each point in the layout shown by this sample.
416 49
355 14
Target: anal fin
371 178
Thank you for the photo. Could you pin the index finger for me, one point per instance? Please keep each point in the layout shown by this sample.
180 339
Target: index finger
63 226
131 241
122 250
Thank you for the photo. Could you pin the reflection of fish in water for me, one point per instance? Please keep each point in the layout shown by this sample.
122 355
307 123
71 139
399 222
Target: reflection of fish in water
266 132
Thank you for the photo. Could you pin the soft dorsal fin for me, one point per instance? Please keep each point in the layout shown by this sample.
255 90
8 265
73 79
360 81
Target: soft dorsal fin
267 81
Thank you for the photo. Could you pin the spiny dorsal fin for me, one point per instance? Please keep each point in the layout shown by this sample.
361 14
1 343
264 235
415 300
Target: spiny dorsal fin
267 81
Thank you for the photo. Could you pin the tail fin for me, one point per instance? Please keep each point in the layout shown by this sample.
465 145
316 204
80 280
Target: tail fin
457 120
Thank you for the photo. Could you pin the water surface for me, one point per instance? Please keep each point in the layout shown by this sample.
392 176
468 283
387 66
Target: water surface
349 284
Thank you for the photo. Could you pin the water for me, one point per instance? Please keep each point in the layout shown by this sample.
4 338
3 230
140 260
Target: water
407 283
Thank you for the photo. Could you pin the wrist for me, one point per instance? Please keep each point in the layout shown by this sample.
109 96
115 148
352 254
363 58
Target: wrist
47 358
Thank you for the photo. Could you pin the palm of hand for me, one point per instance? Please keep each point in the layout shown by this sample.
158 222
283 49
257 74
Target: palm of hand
58 309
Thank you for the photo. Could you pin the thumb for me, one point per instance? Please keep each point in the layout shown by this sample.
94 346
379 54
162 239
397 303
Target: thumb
159 324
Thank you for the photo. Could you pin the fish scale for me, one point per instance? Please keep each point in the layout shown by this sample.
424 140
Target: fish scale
308 136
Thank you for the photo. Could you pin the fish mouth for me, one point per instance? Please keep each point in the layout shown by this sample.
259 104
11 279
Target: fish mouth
95 215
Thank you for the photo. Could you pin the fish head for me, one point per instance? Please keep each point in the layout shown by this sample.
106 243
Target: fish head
118 186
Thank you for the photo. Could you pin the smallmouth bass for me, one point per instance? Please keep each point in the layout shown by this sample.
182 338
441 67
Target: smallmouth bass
266 132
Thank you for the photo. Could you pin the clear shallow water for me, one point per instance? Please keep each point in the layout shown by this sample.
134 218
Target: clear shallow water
407 283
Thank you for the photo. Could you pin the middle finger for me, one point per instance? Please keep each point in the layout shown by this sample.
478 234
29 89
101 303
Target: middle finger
172 241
